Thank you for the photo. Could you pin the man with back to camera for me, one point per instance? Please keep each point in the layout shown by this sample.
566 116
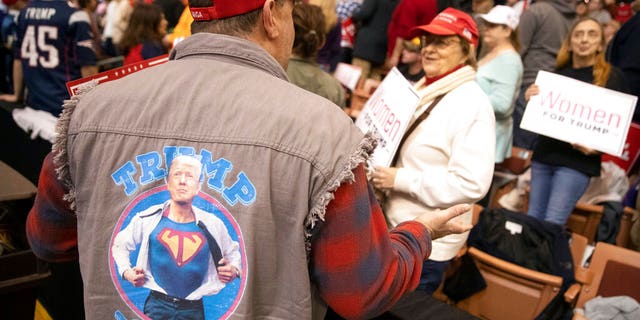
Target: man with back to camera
178 272
287 164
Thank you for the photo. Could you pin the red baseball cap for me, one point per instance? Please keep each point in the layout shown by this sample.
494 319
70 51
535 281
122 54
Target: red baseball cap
9 2
450 22
623 12
224 9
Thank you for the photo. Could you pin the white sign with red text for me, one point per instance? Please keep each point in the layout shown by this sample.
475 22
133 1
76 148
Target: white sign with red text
113 74
577 112
388 113
348 75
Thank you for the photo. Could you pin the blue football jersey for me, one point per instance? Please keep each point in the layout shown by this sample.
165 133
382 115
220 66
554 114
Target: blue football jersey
54 41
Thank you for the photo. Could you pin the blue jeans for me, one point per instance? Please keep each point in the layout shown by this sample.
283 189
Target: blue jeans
555 191
431 277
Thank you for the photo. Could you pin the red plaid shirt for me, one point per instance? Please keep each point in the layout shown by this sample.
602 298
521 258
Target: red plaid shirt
359 267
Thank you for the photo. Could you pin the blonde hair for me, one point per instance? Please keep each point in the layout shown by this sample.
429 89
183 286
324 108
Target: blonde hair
329 10
601 68
470 51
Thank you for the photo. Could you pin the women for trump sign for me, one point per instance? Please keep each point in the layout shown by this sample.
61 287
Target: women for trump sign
387 113
578 112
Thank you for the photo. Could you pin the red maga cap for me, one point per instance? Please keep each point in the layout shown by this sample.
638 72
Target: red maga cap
450 22
224 9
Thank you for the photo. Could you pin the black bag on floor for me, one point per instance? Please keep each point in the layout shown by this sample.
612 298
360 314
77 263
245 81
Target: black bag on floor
465 281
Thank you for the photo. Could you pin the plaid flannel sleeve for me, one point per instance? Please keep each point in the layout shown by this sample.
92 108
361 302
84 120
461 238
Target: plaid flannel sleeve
360 267
51 224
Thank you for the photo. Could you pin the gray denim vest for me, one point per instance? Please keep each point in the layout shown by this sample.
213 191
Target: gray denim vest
272 156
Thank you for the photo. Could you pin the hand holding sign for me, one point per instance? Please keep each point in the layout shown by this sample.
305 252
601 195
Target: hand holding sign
384 177
578 113
531 91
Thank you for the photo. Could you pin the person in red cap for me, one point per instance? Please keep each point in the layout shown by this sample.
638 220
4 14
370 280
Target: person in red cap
282 167
447 154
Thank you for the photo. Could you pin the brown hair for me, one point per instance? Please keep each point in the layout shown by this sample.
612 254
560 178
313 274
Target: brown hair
234 26
309 24
143 26
84 4
513 38
601 68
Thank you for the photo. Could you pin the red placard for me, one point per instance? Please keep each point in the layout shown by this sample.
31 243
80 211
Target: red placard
630 152
117 73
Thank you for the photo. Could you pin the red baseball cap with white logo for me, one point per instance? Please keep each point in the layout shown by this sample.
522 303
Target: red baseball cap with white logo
450 22
224 9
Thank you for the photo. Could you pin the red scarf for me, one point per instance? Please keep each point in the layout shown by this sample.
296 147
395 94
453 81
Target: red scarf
431 80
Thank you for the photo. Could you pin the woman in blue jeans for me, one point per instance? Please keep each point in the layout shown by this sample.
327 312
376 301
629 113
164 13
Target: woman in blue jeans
560 171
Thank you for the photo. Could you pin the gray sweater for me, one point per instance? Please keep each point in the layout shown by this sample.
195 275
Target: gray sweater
543 26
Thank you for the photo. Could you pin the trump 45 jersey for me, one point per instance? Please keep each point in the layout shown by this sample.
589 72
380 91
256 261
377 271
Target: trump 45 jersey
54 41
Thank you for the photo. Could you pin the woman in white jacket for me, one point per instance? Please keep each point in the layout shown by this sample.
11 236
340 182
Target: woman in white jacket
449 157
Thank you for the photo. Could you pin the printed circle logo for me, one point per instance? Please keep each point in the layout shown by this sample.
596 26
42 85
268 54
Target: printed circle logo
169 261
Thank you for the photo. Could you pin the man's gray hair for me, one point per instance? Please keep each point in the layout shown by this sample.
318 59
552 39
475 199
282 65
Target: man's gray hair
192 161
238 26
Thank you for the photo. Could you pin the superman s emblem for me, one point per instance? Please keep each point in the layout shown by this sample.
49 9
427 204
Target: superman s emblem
182 246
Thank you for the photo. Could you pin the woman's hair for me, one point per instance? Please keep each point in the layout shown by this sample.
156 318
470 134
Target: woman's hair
328 8
601 68
513 38
309 24
469 51
144 23
84 4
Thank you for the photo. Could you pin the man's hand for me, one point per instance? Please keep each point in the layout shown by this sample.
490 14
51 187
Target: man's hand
135 276
227 272
442 222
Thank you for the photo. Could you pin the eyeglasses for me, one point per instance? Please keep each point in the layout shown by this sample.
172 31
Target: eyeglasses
440 42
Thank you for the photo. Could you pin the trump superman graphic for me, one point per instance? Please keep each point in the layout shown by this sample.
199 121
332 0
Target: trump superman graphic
177 252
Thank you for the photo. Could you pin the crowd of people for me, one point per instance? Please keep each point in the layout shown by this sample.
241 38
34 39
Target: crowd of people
243 133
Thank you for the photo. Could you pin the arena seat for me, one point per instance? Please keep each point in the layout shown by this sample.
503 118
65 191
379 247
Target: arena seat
513 292
585 219
613 271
